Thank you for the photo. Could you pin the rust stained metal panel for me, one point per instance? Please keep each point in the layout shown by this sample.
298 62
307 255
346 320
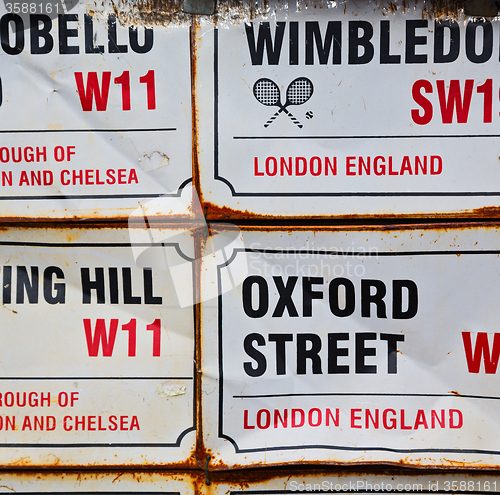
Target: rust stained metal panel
351 346
100 483
333 481
348 110
98 355
96 111
355 482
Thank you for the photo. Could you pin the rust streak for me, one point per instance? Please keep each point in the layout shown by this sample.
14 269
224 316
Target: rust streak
487 212
199 240
215 213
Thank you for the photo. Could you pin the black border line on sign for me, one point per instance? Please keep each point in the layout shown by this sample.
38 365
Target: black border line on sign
420 136
365 394
177 443
238 450
98 196
73 131
56 378
219 177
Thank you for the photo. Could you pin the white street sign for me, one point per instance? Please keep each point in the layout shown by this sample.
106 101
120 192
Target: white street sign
355 346
95 111
97 356
349 109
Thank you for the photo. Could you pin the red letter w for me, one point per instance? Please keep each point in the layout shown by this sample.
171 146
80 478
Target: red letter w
86 95
482 349
100 336
455 97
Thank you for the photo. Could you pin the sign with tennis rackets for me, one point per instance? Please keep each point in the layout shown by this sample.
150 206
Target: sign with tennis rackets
349 110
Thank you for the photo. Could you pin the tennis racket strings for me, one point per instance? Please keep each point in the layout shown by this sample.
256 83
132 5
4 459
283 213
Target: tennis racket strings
299 91
267 92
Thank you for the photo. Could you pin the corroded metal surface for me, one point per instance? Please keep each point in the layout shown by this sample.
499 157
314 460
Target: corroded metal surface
109 415
95 115
352 110
417 390
99 354
349 481
308 480
85 137
173 483
352 346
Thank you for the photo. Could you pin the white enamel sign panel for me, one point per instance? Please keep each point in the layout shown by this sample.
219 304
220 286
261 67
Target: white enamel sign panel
97 354
355 346
350 110
95 111
101 483
363 483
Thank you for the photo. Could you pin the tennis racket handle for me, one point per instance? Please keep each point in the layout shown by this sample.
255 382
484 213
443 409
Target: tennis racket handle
271 120
294 120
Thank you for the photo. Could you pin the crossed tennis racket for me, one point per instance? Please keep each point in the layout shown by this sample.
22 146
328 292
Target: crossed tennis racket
268 93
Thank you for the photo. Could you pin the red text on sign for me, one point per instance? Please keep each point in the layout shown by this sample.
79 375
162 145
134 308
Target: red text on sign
481 350
382 166
99 92
389 419
291 418
91 177
100 423
454 100
102 337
